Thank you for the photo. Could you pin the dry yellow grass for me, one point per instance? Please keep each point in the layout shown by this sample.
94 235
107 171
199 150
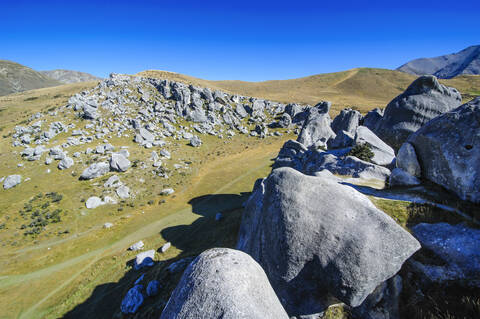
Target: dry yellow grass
364 88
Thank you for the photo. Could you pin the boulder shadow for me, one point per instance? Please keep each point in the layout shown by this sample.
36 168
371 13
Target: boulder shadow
204 233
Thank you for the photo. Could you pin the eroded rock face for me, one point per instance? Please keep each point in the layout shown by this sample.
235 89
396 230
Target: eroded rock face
223 283
423 100
316 130
407 160
383 154
119 163
448 150
316 238
348 121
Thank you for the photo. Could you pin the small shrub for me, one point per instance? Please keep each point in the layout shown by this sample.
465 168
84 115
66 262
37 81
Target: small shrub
362 151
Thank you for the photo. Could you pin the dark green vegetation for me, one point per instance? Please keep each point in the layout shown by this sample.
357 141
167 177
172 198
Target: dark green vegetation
362 151
40 211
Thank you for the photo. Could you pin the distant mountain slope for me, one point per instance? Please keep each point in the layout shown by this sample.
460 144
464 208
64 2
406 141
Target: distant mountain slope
15 77
68 76
365 88
447 66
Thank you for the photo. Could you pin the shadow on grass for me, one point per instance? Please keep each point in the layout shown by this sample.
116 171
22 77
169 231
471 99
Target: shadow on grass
202 234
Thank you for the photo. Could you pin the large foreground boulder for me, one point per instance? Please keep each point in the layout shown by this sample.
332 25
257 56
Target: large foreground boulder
223 283
423 100
317 239
448 150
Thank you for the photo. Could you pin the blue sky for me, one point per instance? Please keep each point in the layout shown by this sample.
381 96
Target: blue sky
244 40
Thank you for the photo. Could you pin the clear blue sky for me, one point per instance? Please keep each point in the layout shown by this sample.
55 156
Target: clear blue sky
245 40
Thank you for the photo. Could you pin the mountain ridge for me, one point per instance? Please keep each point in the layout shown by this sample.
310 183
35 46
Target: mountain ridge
464 62
70 76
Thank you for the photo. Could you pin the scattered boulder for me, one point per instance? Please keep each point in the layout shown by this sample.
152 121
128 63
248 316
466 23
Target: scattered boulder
167 191
422 101
223 283
137 246
165 247
132 300
195 141
448 150
107 225
119 162
12 181
95 170
65 163
94 202
145 259
123 192
316 238
112 181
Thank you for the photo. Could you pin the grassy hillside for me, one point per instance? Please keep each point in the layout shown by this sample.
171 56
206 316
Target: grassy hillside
364 88
15 77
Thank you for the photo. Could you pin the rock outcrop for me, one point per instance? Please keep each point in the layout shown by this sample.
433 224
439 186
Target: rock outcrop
223 283
348 120
316 130
423 100
317 239
448 150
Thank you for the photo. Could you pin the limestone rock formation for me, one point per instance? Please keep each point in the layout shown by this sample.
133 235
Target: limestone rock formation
223 283
318 239
423 100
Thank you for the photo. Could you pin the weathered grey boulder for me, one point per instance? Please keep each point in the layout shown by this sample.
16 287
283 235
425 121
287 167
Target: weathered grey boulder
119 163
195 141
95 170
132 300
383 154
123 192
407 160
401 178
290 155
223 283
457 246
285 121
12 181
423 100
316 238
448 150
65 163
343 165
146 135
348 120
145 259
137 246
316 130
342 140
94 202
371 119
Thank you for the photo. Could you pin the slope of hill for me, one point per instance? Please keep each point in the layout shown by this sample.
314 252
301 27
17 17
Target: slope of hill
69 76
447 66
364 88
15 77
